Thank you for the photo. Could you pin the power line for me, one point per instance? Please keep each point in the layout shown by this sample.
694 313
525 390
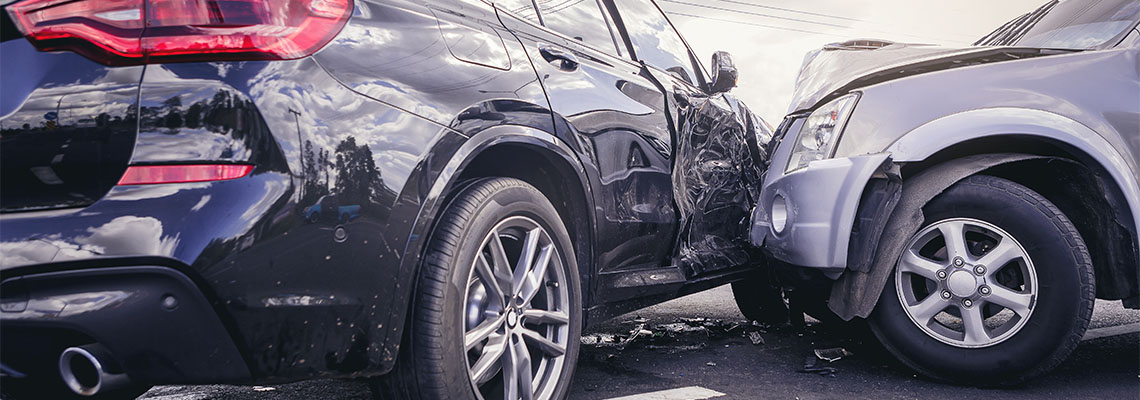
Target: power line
755 14
922 38
747 4
744 3
749 23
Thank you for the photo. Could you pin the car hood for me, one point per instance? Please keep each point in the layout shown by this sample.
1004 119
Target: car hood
837 68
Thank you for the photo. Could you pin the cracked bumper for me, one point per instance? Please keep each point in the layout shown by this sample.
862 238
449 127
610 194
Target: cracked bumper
815 211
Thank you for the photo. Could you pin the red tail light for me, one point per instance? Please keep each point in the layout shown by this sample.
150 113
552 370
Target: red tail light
124 32
156 174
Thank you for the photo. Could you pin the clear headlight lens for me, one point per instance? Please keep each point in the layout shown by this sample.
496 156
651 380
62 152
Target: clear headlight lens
821 131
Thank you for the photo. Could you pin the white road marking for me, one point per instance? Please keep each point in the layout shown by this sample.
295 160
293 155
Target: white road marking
685 393
1111 331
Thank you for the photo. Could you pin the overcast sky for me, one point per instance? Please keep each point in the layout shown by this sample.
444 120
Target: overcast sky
768 38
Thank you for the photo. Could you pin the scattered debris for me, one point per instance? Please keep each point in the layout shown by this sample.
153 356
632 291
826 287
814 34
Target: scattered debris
821 362
756 338
674 349
599 339
680 327
814 365
833 354
685 334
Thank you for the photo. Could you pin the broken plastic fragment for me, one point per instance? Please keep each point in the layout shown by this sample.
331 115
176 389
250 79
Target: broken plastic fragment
833 354
756 338
814 366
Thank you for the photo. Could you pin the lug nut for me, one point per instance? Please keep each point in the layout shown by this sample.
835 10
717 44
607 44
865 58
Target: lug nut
958 261
984 290
941 274
946 294
968 303
980 269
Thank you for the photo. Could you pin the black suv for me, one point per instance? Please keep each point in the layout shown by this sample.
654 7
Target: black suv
439 192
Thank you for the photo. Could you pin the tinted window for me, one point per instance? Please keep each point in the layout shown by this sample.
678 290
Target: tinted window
579 19
654 39
520 8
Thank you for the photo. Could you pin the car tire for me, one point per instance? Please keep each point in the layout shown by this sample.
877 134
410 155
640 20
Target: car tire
1035 297
531 322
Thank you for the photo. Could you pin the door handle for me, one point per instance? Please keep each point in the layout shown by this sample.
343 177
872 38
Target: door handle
562 59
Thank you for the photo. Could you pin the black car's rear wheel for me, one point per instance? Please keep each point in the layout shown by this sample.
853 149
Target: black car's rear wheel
497 311
995 289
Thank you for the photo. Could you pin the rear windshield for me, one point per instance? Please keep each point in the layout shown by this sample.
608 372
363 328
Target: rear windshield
1069 24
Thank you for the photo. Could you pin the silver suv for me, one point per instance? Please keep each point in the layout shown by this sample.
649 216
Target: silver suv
969 202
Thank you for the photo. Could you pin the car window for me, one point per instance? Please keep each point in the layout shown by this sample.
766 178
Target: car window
521 8
654 39
579 19
1082 24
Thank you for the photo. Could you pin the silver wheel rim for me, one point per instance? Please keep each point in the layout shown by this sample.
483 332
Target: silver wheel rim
517 317
966 283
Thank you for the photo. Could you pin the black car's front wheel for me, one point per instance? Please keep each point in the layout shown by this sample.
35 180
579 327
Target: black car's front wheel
497 310
995 289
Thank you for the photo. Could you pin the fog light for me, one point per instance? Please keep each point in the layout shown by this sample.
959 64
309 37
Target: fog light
779 214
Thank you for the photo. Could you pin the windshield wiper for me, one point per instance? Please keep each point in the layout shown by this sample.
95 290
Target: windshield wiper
1012 32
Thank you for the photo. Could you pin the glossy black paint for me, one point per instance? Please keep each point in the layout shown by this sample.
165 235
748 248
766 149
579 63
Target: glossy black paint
158 301
412 99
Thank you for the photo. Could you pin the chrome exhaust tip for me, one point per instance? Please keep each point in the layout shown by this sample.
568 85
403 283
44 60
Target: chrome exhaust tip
90 370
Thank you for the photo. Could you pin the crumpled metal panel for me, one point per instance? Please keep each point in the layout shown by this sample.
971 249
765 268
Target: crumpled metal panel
720 164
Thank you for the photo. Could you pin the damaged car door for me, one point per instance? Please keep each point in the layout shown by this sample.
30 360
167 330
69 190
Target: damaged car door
615 115
718 163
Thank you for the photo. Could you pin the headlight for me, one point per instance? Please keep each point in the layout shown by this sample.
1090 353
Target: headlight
820 132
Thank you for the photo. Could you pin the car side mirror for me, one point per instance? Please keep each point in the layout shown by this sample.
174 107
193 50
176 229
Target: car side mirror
724 73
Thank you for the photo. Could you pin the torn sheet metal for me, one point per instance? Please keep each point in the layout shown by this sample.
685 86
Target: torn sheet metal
719 166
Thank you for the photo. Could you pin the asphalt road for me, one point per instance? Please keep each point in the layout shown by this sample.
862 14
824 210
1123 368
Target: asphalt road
703 341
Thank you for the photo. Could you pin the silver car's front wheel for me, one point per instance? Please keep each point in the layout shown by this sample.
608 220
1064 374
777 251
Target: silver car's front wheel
995 288
966 283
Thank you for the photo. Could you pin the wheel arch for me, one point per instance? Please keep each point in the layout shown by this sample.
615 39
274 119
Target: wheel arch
556 173
485 154
1025 131
1008 143
1080 186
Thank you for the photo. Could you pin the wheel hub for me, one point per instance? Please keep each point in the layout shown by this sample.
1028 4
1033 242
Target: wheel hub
962 283
512 318
947 283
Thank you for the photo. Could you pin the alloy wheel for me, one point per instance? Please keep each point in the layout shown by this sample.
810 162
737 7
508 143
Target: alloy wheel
966 283
517 313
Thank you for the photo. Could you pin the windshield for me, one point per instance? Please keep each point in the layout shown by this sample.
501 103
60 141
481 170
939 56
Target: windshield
1072 24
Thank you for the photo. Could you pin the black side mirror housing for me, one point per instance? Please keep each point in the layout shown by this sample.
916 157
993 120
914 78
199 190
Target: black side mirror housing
724 73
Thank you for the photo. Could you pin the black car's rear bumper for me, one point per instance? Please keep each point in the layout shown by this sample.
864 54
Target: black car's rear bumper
155 321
